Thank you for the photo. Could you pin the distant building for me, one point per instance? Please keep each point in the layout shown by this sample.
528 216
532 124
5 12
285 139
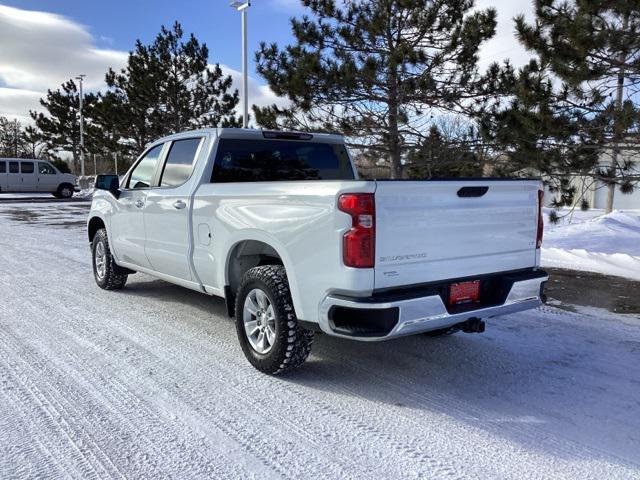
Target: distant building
595 192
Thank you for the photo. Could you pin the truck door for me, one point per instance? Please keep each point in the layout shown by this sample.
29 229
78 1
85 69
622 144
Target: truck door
29 177
127 220
166 213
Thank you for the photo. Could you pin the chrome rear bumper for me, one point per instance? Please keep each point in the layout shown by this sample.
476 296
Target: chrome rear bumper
426 313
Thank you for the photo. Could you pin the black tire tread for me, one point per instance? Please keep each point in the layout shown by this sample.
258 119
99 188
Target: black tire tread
296 340
115 277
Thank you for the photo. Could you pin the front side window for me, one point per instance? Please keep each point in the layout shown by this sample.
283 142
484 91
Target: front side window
27 167
142 174
279 160
3 167
14 167
45 169
179 164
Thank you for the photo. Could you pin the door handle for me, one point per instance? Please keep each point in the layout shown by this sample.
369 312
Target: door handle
139 203
179 204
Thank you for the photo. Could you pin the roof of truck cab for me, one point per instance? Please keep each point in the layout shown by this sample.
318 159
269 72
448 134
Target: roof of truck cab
248 133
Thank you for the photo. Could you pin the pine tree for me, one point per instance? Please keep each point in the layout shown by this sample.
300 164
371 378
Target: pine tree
9 138
592 48
166 87
21 142
377 71
452 148
540 132
60 126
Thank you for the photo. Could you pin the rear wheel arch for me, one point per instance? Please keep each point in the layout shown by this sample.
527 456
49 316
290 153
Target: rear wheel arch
245 255
242 257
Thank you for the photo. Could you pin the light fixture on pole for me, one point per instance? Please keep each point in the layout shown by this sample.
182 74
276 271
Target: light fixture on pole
242 6
81 79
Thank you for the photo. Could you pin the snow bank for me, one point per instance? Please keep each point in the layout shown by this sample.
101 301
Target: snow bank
608 244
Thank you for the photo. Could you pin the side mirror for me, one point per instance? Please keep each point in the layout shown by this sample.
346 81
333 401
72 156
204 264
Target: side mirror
111 183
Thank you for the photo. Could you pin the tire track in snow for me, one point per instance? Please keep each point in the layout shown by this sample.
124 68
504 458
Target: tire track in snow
242 389
236 355
58 414
252 404
402 386
151 418
15 421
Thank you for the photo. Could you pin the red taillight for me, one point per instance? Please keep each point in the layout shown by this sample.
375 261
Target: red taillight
540 219
358 244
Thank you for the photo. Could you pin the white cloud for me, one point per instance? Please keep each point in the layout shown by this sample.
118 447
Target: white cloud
504 44
41 50
260 95
16 103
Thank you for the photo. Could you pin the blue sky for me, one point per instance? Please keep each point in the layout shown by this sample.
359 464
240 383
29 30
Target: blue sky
43 43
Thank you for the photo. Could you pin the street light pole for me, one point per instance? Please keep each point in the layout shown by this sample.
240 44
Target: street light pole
81 78
242 6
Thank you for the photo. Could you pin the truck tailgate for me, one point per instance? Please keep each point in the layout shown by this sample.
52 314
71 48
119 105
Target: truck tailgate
427 231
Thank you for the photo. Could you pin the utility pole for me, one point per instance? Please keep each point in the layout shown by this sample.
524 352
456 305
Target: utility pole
242 6
613 169
81 79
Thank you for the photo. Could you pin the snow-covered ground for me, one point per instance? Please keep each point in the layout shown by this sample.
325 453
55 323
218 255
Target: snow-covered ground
150 382
594 242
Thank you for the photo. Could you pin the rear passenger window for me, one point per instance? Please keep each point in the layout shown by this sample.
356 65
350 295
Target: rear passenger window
142 174
279 160
14 167
179 164
3 167
27 167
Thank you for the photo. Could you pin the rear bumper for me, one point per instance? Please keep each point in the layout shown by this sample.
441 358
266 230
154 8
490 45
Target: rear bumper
421 309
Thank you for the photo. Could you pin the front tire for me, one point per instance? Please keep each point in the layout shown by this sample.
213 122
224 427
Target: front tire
107 274
64 191
268 330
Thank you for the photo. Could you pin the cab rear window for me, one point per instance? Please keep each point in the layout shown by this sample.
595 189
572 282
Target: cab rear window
279 160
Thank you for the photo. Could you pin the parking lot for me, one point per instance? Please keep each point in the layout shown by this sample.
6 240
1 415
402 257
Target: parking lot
150 382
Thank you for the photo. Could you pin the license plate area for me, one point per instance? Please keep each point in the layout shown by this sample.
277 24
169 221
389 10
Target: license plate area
463 293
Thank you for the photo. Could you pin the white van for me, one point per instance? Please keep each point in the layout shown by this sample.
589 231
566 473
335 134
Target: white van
35 176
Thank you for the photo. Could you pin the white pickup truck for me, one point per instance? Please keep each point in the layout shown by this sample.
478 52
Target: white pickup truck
279 224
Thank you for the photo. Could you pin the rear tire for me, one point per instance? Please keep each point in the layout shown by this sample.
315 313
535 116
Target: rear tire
268 330
106 273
